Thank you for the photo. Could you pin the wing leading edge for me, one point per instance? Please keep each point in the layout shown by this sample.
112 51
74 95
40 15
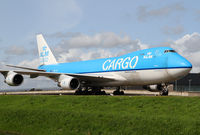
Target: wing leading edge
20 67
55 76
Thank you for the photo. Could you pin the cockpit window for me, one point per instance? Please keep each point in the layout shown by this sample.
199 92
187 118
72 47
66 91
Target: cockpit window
166 51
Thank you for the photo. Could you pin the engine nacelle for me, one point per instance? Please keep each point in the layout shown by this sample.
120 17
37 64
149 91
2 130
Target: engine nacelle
14 79
68 82
153 88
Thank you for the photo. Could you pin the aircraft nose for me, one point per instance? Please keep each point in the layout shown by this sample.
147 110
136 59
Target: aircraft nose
178 66
184 63
177 61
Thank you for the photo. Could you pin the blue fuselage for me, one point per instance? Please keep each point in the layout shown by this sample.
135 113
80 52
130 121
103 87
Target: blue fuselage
148 59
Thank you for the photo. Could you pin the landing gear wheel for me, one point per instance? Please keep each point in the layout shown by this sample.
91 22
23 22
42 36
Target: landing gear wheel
92 91
99 92
122 92
118 92
164 91
103 93
78 92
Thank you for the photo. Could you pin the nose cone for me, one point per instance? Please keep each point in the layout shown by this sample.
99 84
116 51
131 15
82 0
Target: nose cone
184 63
177 61
178 66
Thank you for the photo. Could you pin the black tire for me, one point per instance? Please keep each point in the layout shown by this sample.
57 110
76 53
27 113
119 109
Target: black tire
164 93
115 93
78 92
103 93
97 93
121 92
118 93
85 92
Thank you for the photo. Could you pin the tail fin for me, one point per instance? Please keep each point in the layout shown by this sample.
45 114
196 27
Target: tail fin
45 54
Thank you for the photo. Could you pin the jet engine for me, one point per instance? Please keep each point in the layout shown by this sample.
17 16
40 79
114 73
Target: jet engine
153 88
68 82
13 79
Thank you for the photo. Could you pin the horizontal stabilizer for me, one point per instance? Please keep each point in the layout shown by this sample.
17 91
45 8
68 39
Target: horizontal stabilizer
33 69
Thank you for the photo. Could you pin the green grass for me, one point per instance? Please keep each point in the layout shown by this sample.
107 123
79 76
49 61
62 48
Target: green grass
99 115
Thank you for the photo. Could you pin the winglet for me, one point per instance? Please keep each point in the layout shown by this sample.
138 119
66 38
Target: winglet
45 54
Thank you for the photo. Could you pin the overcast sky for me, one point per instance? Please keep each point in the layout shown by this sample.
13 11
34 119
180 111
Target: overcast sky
89 29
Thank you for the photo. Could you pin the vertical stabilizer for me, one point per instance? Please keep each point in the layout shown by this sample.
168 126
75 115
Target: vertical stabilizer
45 54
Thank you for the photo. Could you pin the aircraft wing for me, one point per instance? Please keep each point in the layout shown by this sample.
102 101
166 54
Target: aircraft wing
20 67
53 75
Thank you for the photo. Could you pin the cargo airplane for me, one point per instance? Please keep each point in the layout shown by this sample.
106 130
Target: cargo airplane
152 68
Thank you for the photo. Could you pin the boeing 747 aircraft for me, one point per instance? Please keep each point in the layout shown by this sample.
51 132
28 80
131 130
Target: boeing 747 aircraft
152 68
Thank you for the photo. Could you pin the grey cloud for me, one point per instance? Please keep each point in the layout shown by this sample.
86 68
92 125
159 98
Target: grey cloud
84 54
85 47
173 30
78 54
145 13
2 65
15 50
99 45
63 35
27 63
99 40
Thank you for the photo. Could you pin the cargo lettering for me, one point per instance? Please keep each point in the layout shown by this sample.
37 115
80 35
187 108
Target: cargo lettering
120 63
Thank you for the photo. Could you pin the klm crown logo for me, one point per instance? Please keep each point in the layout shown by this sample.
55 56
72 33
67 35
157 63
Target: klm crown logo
44 54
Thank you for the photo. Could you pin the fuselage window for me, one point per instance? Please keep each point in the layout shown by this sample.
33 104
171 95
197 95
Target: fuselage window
166 51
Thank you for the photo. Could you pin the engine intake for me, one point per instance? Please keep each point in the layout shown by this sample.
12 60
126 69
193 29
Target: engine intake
14 79
68 82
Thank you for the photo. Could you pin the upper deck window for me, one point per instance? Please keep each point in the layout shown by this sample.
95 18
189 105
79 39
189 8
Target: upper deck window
166 51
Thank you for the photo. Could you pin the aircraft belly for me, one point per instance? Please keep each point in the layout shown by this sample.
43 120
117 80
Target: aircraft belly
137 77
145 77
153 76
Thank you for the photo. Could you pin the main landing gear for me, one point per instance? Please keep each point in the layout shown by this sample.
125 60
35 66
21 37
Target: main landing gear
90 91
118 92
164 90
96 91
